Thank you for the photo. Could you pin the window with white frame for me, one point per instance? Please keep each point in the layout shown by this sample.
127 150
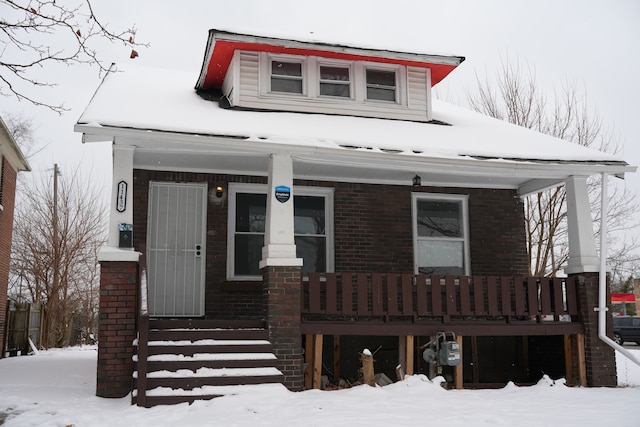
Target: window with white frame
287 76
335 80
440 233
309 78
313 222
381 84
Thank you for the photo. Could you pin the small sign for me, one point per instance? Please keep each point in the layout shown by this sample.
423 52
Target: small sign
121 199
283 193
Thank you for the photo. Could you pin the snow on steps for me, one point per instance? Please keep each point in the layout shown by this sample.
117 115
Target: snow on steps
201 359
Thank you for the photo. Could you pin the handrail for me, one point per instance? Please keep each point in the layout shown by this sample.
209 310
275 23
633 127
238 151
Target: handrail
431 296
143 337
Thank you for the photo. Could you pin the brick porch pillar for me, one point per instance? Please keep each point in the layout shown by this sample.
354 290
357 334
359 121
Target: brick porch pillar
117 327
584 263
281 271
599 357
281 290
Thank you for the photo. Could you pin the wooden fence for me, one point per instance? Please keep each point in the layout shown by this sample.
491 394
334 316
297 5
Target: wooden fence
24 321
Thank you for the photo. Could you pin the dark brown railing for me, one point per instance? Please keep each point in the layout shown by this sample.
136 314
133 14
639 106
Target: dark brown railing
143 338
379 295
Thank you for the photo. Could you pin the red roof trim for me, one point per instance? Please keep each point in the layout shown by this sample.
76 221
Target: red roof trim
224 49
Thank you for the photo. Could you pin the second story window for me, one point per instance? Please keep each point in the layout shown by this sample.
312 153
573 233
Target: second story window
381 85
286 76
335 81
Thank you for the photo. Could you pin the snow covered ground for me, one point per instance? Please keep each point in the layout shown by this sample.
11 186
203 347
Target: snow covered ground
57 388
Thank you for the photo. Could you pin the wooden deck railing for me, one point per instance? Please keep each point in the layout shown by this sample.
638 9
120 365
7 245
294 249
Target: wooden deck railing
143 338
379 295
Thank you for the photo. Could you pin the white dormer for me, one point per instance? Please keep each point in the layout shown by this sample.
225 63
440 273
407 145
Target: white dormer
283 75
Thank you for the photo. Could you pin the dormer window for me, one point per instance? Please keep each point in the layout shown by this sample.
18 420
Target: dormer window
381 85
286 76
313 84
335 81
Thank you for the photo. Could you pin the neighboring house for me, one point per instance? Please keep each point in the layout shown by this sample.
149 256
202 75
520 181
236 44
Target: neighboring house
11 162
307 200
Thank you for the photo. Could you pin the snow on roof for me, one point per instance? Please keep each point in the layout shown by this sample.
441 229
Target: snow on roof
346 39
164 100
9 148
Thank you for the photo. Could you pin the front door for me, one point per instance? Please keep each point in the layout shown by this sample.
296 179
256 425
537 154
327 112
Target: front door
176 249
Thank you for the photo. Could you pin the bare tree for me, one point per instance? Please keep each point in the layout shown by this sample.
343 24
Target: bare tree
36 33
21 128
517 97
54 254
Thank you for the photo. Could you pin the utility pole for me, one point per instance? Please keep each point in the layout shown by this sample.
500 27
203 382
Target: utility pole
52 335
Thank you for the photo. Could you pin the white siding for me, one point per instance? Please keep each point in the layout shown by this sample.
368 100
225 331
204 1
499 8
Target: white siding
249 78
245 70
417 93
229 81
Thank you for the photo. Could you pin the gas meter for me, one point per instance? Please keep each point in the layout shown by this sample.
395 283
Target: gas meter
444 350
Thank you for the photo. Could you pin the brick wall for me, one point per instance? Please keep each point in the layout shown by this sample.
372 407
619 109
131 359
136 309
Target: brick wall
373 232
373 229
599 357
223 299
281 292
117 328
6 226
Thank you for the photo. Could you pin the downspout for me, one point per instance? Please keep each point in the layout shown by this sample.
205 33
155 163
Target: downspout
602 309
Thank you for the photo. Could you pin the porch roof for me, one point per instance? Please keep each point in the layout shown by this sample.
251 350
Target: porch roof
174 128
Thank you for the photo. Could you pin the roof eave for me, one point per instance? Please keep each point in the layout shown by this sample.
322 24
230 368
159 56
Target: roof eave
334 47
12 151
536 175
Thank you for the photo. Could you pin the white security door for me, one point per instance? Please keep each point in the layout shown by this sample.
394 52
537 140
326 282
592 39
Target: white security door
176 249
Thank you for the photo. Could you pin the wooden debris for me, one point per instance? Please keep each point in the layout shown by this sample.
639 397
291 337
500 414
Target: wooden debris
368 373
400 372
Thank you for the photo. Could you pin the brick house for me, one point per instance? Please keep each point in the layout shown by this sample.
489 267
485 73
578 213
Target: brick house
11 162
307 200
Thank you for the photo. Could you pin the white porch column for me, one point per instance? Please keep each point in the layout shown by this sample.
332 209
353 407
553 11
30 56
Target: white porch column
279 245
582 245
121 204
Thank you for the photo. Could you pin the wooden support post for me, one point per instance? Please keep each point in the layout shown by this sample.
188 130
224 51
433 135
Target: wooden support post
368 372
457 370
308 358
336 356
317 361
568 359
582 363
410 352
475 371
526 358
402 353
406 353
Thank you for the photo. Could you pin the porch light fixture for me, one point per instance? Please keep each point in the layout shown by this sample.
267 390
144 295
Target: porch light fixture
218 195
417 181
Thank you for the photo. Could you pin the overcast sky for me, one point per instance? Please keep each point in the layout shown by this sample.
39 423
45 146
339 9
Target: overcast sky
590 44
